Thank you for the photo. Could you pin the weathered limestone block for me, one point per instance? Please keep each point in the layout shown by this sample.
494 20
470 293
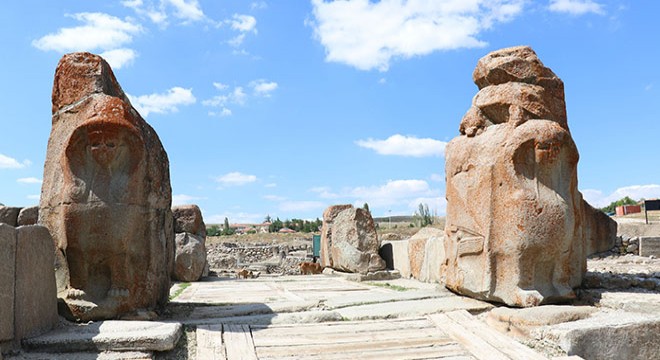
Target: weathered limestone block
36 293
190 258
329 216
28 216
188 218
517 227
599 229
106 196
9 215
395 254
352 239
427 254
649 246
607 336
7 278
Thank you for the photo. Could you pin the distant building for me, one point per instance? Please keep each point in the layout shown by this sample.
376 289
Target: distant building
246 228
286 231
628 209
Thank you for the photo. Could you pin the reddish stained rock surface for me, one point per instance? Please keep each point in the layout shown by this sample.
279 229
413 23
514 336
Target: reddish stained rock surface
517 227
106 196
349 241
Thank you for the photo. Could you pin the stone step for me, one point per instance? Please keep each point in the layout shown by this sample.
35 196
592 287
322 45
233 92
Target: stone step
111 335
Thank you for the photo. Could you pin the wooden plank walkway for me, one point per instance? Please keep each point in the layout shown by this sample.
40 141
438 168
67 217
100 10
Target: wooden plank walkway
455 335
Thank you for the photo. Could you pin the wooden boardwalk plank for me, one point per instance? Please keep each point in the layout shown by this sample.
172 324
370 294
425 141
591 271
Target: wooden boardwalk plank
332 348
347 337
481 340
238 342
450 351
339 327
209 342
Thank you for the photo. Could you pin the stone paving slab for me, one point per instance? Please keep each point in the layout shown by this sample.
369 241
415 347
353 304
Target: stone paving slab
608 335
111 335
409 308
106 355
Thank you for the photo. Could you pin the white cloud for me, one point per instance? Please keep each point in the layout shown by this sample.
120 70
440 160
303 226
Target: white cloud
258 5
324 192
237 96
235 218
163 103
274 198
243 23
597 199
392 193
437 177
118 58
263 87
405 146
10 163
34 197
157 11
368 35
29 180
183 199
271 185
220 86
99 31
187 10
236 179
301 206
576 7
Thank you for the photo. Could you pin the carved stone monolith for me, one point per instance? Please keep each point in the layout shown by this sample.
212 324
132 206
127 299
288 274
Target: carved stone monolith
515 229
105 197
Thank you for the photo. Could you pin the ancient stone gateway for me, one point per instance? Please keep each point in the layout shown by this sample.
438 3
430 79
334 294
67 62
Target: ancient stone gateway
105 196
517 226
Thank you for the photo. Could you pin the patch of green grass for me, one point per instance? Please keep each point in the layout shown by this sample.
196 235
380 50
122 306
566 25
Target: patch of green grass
182 287
389 286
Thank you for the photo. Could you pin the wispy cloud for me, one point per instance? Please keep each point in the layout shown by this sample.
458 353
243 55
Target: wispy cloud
368 35
235 218
274 198
405 146
263 87
163 103
29 180
7 162
301 206
160 11
235 179
237 96
183 199
98 31
244 24
598 199
576 7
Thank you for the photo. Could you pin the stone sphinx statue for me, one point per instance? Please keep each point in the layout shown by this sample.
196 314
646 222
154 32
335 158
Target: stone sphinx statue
516 222
106 197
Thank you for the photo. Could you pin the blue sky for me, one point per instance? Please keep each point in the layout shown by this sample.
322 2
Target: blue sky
285 107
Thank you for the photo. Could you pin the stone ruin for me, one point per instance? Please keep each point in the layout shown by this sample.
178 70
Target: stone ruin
349 241
518 230
190 241
28 302
105 197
